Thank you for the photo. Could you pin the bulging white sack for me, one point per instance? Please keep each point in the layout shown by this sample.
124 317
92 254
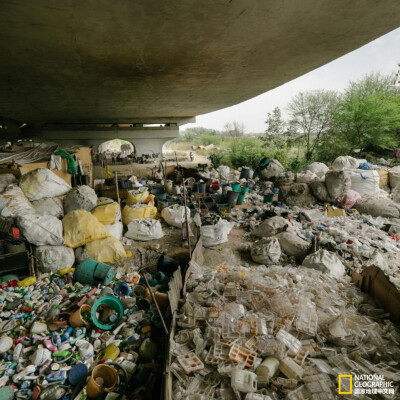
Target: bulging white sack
54 258
80 198
41 229
216 234
292 245
273 170
116 229
144 229
42 183
337 183
365 182
325 261
345 162
394 176
378 207
271 226
49 206
175 215
266 251
320 191
306 177
5 180
318 168
14 203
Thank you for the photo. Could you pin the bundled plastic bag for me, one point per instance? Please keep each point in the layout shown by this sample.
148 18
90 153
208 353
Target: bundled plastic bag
42 183
5 180
345 162
394 176
337 183
225 172
306 177
115 229
349 200
216 234
364 182
54 258
144 229
137 196
14 203
273 170
266 251
318 168
49 206
325 261
270 227
296 194
108 250
378 207
107 212
320 191
81 227
175 215
138 211
292 245
41 229
80 198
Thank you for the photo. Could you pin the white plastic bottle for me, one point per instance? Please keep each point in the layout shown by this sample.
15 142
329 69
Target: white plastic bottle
244 381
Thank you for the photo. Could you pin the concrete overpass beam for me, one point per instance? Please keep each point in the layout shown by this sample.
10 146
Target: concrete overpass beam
145 139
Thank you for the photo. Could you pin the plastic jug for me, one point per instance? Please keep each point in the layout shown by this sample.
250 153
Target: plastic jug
244 381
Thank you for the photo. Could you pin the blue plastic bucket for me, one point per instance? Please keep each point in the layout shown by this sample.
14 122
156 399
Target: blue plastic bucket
245 173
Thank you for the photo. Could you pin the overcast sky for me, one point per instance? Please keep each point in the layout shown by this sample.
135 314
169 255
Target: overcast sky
382 55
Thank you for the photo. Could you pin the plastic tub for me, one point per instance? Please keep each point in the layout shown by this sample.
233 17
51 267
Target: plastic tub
268 198
235 186
112 302
240 198
245 173
232 197
93 273
244 189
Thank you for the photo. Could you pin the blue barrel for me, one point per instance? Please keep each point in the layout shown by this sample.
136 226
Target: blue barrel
201 187
245 173
92 272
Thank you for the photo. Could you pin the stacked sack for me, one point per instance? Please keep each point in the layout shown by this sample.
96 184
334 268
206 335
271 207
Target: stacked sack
85 223
36 208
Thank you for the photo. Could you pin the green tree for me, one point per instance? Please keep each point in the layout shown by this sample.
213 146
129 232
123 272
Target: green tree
311 116
234 129
369 113
275 124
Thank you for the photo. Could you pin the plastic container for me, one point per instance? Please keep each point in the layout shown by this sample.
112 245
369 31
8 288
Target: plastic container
235 186
201 187
94 273
112 302
268 198
268 368
240 198
76 320
290 369
245 173
78 373
231 198
244 189
104 378
244 381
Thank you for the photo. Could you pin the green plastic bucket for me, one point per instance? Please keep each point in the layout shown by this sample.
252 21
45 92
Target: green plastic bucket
244 189
112 302
240 198
92 272
235 186
268 198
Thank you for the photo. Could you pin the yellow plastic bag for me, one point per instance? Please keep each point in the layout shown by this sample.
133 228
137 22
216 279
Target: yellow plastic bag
81 227
136 198
109 250
146 211
106 212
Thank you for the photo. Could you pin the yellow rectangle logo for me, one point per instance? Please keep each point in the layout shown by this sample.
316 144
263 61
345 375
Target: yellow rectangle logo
351 384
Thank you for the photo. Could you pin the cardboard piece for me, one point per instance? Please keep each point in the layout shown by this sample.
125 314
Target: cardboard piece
377 284
333 212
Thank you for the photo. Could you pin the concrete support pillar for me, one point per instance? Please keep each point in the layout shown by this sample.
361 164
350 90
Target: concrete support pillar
145 139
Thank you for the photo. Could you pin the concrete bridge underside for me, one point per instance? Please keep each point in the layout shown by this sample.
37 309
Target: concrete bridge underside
166 61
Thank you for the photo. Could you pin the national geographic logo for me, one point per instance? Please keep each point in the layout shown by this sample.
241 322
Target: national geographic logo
364 384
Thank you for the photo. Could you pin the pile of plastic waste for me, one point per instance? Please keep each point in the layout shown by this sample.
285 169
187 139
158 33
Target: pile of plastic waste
261 333
92 332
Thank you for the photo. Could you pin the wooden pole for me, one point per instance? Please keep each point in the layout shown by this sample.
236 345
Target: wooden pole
186 218
116 186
